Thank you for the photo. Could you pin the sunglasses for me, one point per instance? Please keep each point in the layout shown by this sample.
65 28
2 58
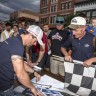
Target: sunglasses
61 22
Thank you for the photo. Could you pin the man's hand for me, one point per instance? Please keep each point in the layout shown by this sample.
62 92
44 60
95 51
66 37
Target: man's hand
32 64
87 63
29 62
37 76
36 92
68 58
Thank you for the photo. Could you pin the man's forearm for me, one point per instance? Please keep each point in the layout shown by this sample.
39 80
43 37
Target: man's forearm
27 53
70 52
41 53
28 68
25 80
20 71
93 60
64 52
49 42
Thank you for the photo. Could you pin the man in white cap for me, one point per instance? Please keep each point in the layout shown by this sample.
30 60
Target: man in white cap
81 43
11 60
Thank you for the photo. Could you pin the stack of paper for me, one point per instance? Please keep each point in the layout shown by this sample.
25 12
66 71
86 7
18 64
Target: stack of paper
50 82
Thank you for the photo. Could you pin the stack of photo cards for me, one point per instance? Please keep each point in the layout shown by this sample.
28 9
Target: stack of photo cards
48 92
49 82
45 92
47 85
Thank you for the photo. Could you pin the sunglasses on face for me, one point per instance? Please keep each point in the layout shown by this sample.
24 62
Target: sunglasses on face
61 22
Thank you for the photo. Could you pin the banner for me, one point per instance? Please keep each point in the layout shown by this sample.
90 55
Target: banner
79 79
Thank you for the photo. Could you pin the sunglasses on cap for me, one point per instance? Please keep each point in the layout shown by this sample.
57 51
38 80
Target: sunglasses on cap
60 22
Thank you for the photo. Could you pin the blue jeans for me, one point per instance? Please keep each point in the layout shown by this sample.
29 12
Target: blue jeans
10 92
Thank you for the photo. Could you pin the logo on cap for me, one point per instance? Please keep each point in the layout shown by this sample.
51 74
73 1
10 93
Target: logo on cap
74 21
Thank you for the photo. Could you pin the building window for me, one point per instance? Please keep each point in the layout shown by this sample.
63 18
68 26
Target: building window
88 14
53 1
69 5
66 4
94 13
43 20
44 10
52 19
44 2
53 8
63 6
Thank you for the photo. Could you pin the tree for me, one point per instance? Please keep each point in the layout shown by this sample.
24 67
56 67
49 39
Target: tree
68 19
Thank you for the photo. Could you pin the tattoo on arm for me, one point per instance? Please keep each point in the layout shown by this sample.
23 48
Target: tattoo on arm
16 57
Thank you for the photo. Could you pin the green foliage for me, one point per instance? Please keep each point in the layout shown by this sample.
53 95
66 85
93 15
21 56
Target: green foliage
68 19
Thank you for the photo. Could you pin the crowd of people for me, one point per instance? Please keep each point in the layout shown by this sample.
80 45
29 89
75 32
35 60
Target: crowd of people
22 47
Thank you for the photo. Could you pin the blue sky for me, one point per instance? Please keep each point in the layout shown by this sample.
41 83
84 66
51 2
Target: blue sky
9 6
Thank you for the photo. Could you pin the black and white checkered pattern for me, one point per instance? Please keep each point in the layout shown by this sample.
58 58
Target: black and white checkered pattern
79 79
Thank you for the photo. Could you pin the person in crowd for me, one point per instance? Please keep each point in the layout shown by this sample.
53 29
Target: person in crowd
81 44
40 52
22 27
15 30
15 33
43 54
47 31
26 48
22 30
92 28
11 54
55 39
1 29
92 60
7 33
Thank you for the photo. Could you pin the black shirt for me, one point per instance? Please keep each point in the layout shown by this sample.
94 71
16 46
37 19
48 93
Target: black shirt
12 46
57 37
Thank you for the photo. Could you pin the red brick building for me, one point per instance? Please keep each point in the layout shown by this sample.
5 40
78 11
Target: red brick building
50 9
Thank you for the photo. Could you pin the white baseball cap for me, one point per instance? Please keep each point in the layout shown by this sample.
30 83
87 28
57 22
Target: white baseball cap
37 32
76 22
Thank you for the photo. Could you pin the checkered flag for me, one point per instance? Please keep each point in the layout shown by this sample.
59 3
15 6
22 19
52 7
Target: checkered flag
79 79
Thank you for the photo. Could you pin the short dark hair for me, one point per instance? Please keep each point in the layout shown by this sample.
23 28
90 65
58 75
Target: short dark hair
8 24
81 14
45 24
16 25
